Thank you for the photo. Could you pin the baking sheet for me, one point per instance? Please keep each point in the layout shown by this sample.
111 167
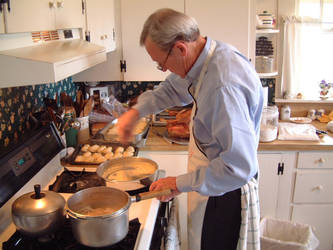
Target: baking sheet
114 145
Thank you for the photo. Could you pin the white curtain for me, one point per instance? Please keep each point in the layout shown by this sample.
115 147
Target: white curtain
307 57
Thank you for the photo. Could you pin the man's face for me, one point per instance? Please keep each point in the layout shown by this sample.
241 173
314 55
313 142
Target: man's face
166 60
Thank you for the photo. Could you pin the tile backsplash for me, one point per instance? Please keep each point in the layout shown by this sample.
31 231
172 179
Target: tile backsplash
17 102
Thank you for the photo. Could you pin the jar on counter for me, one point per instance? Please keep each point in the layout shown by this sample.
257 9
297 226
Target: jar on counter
269 124
285 113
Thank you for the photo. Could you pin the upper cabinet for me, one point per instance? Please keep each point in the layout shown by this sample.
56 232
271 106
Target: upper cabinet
100 26
38 15
233 22
139 65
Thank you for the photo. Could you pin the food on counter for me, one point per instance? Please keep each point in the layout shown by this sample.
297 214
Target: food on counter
94 148
119 150
95 127
108 156
128 154
107 150
138 129
87 154
179 128
85 147
100 153
101 149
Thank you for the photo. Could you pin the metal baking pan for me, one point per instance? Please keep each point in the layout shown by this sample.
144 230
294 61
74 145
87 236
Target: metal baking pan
103 133
114 145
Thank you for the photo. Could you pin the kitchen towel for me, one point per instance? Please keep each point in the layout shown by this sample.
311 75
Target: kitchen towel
249 234
172 241
292 131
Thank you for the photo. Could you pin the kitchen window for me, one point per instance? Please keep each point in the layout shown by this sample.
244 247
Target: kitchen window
307 49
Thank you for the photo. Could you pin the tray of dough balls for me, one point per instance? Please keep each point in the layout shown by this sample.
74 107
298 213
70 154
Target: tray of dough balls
95 154
110 131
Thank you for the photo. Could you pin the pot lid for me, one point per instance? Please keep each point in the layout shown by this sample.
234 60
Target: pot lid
38 203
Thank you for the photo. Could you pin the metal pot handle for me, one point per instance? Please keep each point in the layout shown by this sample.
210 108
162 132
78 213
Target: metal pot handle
149 195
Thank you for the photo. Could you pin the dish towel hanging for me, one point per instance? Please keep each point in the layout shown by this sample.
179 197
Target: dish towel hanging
172 241
249 235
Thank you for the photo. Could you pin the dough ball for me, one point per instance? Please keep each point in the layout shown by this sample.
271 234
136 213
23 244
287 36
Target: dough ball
87 154
107 150
88 159
96 155
119 150
79 158
128 154
101 148
100 159
117 155
85 148
130 149
94 148
109 155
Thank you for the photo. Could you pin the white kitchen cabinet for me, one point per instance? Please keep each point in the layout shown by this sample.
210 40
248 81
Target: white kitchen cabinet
174 163
275 184
312 200
39 15
230 21
2 23
140 66
101 23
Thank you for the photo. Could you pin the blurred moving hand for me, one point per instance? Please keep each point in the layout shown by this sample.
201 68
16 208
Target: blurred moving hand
126 124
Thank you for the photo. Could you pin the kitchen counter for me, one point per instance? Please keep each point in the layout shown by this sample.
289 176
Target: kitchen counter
155 142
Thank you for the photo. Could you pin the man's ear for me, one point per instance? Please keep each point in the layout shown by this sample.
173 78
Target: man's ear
181 48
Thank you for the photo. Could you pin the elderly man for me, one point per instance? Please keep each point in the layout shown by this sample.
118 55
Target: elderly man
224 129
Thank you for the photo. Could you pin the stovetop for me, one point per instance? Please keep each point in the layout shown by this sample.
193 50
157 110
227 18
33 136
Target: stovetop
63 239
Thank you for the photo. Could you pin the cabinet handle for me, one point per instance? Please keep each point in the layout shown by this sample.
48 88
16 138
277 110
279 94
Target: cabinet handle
321 160
51 5
319 188
60 4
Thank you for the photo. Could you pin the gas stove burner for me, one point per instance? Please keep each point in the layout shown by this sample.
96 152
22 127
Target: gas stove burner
73 181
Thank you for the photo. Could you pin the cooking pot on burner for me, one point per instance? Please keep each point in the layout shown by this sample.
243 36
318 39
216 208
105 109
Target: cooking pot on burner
38 213
99 215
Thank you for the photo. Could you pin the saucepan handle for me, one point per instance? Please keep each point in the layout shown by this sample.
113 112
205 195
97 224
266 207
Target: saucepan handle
149 195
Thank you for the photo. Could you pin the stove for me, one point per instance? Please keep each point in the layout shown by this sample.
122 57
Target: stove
63 239
50 174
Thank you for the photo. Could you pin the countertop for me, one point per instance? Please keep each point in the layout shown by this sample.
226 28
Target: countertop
155 142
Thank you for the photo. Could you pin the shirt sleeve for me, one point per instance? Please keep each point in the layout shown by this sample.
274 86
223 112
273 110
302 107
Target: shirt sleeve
171 92
228 117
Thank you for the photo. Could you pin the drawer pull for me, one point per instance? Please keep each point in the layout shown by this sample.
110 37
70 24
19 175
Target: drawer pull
318 188
321 160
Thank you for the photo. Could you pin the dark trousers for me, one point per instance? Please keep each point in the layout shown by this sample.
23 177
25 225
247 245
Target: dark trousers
221 225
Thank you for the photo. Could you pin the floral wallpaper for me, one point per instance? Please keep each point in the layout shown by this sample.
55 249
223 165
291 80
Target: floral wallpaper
17 102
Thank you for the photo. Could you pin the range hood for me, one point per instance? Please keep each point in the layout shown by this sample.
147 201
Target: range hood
48 62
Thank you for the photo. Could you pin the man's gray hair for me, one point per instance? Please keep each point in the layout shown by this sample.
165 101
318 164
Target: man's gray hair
166 26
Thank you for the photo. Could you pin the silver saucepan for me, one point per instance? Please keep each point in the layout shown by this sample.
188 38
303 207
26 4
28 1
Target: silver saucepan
38 213
99 215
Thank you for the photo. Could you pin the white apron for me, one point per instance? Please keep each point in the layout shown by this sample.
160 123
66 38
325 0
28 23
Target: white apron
196 203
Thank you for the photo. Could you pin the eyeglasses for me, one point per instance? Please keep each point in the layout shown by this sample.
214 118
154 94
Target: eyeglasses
161 67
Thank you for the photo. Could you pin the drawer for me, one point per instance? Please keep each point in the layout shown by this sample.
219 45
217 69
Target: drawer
314 186
318 160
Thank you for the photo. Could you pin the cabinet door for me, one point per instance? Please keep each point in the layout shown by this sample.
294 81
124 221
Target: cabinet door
101 22
275 189
140 66
228 21
2 23
32 15
320 218
174 163
69 14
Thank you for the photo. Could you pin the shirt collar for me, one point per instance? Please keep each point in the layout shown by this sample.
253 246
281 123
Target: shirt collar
193 75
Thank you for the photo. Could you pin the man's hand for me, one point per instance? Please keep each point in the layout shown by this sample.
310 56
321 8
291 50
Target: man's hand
126 124
165 183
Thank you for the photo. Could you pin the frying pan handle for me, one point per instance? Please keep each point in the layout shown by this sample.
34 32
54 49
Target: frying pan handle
151 194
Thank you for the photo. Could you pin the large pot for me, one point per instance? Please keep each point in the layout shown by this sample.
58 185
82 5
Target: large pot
38 213
99 215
